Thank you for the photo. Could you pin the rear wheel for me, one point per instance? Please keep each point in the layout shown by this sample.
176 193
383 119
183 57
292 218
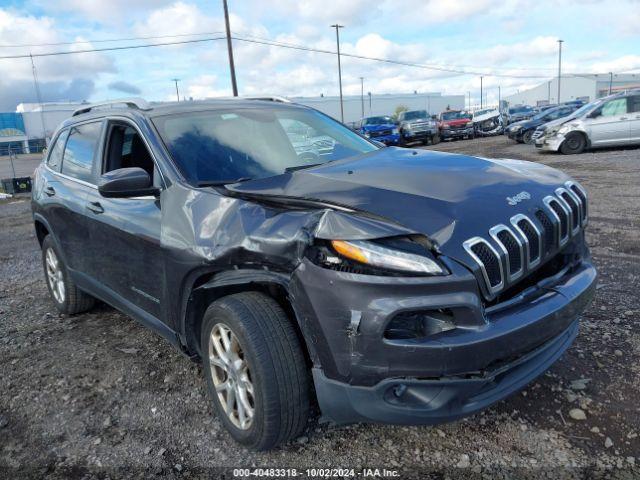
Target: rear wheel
526 136
68 298
255 368
573 144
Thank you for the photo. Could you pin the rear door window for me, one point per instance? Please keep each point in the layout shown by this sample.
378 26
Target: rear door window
80 151
57 149
634 104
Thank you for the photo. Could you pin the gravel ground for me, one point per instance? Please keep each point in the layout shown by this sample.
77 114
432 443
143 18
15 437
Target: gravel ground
96 395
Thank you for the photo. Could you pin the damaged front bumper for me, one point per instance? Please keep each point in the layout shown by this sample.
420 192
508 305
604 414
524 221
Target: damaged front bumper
550 143
362 376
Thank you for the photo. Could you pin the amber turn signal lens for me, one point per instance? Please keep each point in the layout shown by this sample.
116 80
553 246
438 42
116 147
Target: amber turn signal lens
349 251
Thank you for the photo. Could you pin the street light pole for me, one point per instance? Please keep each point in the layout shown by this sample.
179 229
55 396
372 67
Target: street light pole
362 94
481 92
338 27
176 80
559 68
610 82
232 66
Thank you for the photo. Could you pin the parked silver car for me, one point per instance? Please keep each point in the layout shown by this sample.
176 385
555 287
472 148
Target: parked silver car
609 121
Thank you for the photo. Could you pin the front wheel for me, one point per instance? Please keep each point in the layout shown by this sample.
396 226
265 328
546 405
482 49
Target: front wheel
255 368
573 144
526 136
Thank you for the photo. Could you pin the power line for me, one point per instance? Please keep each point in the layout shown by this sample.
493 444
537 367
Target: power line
109 40
257 40
383 60
108 49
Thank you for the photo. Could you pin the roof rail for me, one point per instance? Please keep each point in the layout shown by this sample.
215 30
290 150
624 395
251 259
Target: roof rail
135 103
265 98
268 98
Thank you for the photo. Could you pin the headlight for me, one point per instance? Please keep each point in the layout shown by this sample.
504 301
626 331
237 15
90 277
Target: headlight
469 124
367 134
564 129
375 255
395 131
515 128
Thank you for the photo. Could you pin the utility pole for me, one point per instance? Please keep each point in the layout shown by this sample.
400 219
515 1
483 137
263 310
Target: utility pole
369 93
362 94
176 80
338 27
610 82
481 92
499 98
232 66
39 98
469 95
559 67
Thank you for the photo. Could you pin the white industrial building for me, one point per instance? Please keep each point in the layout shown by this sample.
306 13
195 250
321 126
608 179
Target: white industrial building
586 87
383 104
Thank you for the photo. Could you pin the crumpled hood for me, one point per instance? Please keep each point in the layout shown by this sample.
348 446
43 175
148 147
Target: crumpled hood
448 197
485 116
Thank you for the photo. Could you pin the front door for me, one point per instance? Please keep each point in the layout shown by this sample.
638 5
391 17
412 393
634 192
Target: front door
125 232
609 124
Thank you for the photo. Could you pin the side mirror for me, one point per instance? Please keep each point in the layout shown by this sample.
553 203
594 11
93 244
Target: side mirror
126 182
595 114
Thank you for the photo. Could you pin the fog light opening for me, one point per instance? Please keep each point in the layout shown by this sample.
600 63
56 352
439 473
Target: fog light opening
421 324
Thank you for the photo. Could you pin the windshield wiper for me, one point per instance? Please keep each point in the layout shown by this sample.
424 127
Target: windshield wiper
300 167
218 183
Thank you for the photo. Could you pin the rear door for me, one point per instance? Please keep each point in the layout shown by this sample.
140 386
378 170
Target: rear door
124 233
68 188
611 126
634 119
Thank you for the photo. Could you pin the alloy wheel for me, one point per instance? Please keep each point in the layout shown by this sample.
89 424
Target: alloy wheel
231 376
54 276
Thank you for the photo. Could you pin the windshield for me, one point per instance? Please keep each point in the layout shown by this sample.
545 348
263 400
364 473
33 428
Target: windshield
520 109
454 115
258 142
377 121
585 108
416 114
482 112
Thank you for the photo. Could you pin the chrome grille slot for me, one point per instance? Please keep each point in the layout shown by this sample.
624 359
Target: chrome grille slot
549 231
512 249
561 215
580 193
573 206
488 260
532 238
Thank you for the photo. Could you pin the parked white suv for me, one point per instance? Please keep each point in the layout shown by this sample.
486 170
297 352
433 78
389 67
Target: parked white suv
609 121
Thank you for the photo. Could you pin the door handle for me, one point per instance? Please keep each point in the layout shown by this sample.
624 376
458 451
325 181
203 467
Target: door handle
95 207
623 118
49 190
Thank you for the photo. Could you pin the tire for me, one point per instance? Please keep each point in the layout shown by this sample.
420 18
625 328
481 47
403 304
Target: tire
435 139
526 136
267 355
68 298
573 144
401 141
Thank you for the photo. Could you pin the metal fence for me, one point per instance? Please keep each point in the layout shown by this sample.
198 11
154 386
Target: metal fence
18 148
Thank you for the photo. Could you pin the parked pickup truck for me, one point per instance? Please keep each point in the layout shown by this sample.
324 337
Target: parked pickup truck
417 126
455 124
382 129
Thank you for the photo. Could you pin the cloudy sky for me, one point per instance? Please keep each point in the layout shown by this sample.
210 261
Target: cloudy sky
510 38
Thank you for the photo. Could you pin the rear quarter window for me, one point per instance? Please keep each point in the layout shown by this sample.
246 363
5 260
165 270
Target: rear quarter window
56 150
80 151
